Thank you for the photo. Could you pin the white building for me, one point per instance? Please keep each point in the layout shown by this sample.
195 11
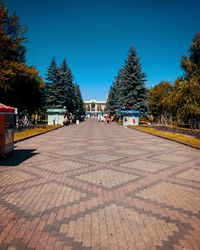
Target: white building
94 107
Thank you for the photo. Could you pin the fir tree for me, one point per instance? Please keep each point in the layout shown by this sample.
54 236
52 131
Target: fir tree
128 91
66 79
54 89
79 99
111 104
113 101
132 92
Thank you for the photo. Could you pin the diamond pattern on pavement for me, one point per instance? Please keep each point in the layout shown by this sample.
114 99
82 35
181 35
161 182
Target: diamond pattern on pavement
102 157
115 227
106 177
13 177
101 187
40 198
174 195
133 152
62 166
190 174
177 158
145 165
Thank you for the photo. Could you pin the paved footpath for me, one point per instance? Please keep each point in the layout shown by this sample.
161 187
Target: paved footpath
100 186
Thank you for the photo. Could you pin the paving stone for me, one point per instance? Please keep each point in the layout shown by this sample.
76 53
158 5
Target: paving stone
102 157
145 165
106 178
175 195
100 186
190 174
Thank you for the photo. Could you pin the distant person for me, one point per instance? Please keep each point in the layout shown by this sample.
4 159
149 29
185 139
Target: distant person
107 119
99 118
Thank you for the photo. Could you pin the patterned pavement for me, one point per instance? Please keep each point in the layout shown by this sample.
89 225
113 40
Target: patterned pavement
100 186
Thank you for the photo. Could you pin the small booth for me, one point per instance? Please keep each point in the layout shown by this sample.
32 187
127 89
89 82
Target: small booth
56 116
7 125
129 117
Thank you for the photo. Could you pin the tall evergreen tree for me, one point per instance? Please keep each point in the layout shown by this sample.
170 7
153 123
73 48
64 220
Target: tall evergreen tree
132 91
79 99
66 79
54 89
111 101
128 91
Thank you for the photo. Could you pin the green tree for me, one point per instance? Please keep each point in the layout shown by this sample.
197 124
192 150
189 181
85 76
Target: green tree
159 106
187 90
19 84
24 90
12 50
67 81
54 89
191 64
128 90
79 99
185 98
132 91
111 101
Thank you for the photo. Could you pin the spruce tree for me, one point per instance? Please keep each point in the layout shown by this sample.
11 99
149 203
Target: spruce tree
113 101
111 104
66 79
54 89
79 99
132 91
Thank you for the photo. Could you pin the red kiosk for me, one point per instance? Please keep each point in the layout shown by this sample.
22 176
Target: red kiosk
7 124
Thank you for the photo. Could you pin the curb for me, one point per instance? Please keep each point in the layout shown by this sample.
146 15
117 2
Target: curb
31 136
184 143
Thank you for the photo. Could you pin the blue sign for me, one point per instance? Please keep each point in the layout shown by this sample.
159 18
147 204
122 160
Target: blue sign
129 112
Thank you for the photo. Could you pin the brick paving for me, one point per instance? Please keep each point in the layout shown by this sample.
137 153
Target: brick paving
100 186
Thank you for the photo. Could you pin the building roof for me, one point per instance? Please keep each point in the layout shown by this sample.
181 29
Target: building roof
94 101
7 109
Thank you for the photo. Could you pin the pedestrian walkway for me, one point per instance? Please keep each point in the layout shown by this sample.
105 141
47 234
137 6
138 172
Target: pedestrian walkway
100 186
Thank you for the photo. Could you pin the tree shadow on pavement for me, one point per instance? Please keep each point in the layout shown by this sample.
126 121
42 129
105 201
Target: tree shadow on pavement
17 157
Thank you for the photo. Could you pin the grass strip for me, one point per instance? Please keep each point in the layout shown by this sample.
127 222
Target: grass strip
33 132
184 139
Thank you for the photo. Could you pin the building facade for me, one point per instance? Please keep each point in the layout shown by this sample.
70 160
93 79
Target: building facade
94 107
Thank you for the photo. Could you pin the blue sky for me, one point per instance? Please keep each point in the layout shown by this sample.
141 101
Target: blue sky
95 35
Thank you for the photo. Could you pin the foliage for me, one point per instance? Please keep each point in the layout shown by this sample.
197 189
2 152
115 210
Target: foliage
186 98
66 79
19 84
54 89
132 90
191 64
111 103
179 103
24 88
79 99
158 104
128 91
60 91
